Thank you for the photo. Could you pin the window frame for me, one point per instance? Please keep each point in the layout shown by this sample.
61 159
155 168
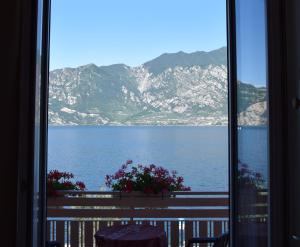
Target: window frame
276 100
27 121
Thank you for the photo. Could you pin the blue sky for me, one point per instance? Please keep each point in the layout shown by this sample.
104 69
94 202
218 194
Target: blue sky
132 31
251 42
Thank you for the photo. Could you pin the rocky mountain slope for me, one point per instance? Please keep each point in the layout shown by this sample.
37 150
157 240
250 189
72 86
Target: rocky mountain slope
255 114
178 88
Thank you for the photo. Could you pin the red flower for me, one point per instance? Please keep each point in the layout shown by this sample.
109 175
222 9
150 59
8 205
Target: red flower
128 162
186 188
152 167
80 185
148 179
147 170
179 180
61 181
119 174
128 186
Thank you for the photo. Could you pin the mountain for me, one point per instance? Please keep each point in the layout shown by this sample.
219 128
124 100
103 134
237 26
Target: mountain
175 88
182 59
255 114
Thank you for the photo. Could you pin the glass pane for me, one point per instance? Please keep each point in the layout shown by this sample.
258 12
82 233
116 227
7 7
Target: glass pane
252 121
138 101
134 87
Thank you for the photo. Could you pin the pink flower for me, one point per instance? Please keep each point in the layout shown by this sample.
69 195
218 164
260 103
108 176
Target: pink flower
152 167
81 185
128 162
186 188
160 172
180 180
170 180
119 174
147 170
151 179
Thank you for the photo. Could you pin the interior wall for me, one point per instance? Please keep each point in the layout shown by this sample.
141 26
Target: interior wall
293 120
17 115
9 90
13 116
277 122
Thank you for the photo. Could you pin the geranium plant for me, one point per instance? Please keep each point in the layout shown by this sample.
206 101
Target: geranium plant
149 179
247 178
62 181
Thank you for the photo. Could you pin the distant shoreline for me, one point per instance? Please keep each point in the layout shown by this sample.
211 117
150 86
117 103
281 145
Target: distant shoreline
169 125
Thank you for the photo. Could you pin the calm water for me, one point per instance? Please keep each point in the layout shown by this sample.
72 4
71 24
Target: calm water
199 154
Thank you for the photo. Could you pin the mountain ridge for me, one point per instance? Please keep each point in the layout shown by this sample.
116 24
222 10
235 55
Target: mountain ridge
183 59
169 90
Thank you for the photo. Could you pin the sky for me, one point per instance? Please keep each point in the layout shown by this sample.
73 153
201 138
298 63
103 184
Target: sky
251 42
132 32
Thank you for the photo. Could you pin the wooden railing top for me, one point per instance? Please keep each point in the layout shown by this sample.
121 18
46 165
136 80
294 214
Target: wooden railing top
187 193
139 194
97 204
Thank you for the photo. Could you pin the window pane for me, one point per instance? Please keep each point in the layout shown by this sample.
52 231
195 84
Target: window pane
252 123
138 103
151 89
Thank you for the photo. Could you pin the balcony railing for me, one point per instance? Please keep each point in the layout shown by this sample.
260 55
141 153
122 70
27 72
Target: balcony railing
74 218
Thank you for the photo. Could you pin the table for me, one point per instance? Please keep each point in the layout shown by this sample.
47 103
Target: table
131 235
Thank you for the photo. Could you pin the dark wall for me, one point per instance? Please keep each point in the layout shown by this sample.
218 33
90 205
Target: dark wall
293 85
277 122
16 95
17 42
9 90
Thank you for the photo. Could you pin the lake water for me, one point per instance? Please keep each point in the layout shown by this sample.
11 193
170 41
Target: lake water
199 154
